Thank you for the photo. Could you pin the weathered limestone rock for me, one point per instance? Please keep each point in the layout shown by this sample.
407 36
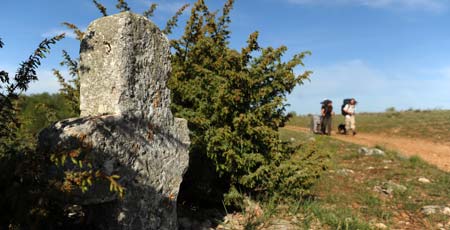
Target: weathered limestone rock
433 209
126 127
424 180
380 226
371 152
388 188
125 62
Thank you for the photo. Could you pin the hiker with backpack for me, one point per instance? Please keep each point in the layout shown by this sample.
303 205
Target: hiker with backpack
327 113
348 110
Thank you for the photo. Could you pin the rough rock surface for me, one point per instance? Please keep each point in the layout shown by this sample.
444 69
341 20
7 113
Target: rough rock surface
433 209
345 172
371 152
380 226
390 187
424 180
363 150
126 124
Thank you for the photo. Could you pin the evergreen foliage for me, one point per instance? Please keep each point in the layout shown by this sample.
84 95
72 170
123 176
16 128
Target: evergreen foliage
10 89
122 5
70 89
172 22
24 189
235 101
150 12
100 7
79 34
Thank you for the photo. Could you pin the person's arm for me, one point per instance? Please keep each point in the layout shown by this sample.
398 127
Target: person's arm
322 112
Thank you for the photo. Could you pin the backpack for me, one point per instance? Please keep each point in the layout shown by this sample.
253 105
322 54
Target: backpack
346 101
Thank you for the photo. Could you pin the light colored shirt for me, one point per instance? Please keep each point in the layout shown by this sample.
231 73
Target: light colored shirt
350 109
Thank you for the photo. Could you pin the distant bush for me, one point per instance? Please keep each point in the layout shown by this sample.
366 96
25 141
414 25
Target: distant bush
38 111
292 114
391 110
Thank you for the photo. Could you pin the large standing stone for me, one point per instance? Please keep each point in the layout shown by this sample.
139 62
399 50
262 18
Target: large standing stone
126 127
125 63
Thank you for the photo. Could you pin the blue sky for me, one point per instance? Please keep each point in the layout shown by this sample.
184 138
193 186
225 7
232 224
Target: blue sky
383 52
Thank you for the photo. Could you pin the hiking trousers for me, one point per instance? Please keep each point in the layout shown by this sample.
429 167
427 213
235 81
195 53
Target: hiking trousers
350 122
326 125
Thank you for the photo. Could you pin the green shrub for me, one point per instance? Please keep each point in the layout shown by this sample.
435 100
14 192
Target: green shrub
26 194
291 177
235 101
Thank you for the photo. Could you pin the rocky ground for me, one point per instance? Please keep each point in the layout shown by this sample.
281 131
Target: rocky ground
366 187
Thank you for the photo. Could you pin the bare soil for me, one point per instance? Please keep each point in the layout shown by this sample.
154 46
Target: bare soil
434 153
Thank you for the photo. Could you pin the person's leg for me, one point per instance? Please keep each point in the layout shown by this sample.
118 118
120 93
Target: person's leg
353 124
325 125
329 125
322 125
347 123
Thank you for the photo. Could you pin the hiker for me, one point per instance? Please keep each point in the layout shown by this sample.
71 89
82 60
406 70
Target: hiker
327 113
349 113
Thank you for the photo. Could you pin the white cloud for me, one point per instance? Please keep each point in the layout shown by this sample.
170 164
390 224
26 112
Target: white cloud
55 32
374 89
429 5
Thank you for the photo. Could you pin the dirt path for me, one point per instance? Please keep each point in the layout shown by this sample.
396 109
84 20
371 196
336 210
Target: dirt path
437 154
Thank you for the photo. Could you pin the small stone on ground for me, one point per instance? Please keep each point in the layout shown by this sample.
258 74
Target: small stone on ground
380 226
424 180
435 209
